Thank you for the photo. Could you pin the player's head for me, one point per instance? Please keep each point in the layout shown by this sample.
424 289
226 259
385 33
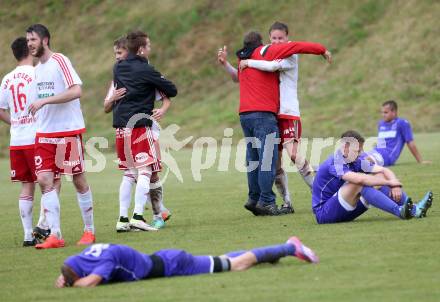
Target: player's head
138 43
20 49
389 110
69 275
120 48
352 144
278 33
252 39
38 39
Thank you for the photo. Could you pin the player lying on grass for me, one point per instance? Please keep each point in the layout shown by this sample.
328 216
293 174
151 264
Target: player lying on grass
130 175
393 134
105 263
344 186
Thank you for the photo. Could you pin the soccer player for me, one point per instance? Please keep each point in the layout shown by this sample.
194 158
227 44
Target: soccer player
130 175
289 121
105 263
259 106
394 133
344 186
136 144
17 92
58 145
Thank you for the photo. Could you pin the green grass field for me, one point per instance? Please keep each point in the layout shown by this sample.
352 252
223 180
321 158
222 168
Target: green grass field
376 258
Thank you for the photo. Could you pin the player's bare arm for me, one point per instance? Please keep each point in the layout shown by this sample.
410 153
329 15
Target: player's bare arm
160 112
369 180
74 92
222 59
396 191
91 280
115 96
4 116
415 152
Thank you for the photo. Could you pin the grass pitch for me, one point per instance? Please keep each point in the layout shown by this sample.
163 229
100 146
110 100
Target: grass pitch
375 258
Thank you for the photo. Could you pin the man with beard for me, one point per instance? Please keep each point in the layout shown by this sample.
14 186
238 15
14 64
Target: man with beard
58 144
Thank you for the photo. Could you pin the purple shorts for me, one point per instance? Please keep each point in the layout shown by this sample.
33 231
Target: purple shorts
181 263
332 211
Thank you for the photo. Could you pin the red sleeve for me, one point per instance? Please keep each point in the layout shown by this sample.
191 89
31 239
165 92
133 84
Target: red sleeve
284 50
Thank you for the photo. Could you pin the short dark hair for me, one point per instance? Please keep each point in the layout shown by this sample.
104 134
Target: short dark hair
252 39
69 275
353 134
136 39
41 31
120 42
20 49
279 26
392 104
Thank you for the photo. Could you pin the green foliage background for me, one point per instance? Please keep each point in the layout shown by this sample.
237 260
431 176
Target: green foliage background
382 49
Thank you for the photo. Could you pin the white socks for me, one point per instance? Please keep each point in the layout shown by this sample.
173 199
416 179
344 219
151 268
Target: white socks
128 180
281 184
25 204
142 190
85 203
51 204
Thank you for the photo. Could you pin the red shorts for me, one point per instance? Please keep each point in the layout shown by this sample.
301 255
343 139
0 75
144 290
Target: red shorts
60 155
137 148
289 130
23 165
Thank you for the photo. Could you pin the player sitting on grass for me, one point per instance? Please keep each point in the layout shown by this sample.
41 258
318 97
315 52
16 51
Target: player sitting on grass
105 263
393 134
344 186
129 177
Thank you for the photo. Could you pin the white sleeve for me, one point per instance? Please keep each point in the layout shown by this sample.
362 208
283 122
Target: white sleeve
284 64
68 73
159 95
4 96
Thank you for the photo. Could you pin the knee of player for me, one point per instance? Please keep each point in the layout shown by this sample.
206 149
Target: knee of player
45 181
80 183
243 262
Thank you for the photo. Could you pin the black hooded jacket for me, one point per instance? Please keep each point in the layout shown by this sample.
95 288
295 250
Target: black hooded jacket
141 81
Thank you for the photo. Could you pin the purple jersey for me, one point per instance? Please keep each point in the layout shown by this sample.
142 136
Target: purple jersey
111 262
328 180
391 139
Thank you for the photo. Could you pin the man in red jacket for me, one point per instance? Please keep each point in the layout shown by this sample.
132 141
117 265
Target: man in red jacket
259 105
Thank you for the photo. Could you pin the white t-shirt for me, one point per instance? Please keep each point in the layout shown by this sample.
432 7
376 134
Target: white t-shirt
54 77
17 92
288 68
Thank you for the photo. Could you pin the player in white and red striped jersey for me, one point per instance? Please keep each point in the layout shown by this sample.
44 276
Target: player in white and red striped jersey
289 120
17 92
58 145
130 175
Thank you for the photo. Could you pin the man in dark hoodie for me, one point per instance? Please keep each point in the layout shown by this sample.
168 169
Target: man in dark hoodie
136 145
259 105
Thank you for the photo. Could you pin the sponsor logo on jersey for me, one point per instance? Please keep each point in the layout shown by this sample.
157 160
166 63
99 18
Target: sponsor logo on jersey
71 163
38 161
141 157
387 134
52 140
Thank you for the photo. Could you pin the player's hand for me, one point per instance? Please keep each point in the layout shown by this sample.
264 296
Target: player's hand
35 106
394 183
60 282
328 56
396 194
426 162
118 94
243 64
158 113
222 55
